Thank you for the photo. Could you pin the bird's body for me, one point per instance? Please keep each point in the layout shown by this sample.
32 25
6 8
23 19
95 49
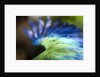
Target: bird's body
62 42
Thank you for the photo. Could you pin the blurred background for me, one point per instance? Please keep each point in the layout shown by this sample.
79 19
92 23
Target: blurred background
24 49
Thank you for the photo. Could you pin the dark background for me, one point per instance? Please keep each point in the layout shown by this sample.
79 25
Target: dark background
24 48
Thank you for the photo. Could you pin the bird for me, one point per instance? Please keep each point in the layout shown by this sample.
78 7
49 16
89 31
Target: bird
62 41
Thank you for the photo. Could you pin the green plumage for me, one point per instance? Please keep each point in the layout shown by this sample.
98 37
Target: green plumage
59 49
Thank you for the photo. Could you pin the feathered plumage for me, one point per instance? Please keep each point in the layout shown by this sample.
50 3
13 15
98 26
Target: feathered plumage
62 42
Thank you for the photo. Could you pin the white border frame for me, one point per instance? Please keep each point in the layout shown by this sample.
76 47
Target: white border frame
86 65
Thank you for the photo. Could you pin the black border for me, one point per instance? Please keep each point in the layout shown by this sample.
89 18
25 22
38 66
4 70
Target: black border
3 74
